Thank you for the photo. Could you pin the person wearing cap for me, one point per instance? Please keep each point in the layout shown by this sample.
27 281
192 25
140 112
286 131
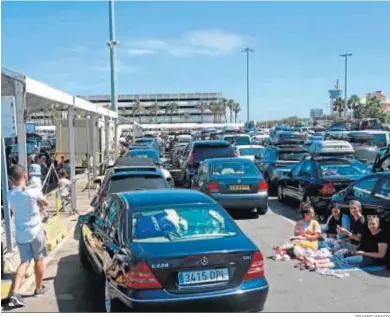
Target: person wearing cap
35 172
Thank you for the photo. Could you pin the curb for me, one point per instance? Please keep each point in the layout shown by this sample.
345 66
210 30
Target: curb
54 242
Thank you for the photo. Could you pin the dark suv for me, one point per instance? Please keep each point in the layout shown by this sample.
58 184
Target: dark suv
198 151
279 160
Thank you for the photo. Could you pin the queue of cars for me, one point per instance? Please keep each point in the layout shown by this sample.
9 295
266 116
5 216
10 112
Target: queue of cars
159 248
156 247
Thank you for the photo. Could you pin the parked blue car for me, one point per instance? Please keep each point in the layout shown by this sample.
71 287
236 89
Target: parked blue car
233 182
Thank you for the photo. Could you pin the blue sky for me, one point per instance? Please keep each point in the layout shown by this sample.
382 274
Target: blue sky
172 47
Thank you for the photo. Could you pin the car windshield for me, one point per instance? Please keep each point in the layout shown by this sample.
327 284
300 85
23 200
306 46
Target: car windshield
367 155
186 223
291 156
237 168
380 139
143 141
126 183
252 151
343 169
291 136
240 140
203 153
150 154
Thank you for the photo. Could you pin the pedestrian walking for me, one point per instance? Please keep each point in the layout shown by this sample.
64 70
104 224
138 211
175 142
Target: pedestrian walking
28 204
64 189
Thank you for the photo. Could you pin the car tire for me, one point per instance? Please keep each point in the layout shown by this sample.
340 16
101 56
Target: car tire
83 254
111 305
281 196
262 210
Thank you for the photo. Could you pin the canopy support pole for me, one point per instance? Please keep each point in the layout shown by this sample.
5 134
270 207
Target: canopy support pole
20 106
71 122
94 145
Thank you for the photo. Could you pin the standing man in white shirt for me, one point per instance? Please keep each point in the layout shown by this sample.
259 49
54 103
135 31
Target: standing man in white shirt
27 204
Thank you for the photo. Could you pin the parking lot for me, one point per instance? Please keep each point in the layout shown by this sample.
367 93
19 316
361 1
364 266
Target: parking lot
73 290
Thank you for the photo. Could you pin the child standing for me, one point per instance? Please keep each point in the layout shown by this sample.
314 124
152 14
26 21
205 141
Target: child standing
64 189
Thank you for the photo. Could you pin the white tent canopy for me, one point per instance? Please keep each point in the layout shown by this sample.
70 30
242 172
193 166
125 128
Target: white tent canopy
40 96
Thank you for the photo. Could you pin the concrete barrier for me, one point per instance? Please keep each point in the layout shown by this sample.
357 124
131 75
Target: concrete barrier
55 232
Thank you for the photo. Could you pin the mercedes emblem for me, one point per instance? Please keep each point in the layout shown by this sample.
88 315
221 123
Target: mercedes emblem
204 261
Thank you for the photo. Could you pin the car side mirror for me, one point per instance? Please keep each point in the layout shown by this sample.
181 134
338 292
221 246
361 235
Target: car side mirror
87 219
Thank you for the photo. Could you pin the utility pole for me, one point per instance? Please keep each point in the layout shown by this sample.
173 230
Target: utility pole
247 51
345 56
112 44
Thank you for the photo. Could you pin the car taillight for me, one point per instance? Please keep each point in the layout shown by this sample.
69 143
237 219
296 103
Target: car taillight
327 189
191 159
213 187
263 186
141 277
256 269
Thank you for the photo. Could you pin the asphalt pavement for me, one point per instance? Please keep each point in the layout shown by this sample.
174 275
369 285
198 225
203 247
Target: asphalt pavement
291 290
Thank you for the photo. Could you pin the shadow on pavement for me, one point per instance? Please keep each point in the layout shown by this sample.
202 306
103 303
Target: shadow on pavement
76 290
289 211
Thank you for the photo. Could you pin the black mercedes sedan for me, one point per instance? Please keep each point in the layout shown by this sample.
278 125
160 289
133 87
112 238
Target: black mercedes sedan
171 250
315 179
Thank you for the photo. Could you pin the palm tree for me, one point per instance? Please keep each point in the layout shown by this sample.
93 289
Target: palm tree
338 106
186 115
202 107
138 108
153 110
215 108
355 105
170 109
230 105
373 109
236 110
223 105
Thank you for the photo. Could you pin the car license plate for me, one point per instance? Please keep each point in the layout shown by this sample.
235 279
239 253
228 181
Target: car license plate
207 276
239 187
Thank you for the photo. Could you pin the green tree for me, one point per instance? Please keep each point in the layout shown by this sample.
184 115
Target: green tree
355 105
202 107
215 108
230 105
223 106
138 109
171 109
373 109
186 116
339 106
236 110
154 109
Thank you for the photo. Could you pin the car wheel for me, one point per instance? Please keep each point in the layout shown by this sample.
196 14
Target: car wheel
262 210
110 304
281 197
83 254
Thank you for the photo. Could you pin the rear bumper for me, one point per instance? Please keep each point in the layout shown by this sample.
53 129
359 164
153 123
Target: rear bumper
250 296
256 200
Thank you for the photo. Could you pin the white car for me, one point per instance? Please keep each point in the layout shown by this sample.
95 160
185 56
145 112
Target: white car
239 139
252 152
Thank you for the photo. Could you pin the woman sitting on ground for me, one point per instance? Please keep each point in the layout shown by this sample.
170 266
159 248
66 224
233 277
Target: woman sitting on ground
371 250
334 222
306 233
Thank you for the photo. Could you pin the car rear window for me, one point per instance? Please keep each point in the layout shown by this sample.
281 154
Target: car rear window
215 151
186 223
150 154
252 151
240 140
332 168
237 168
141 141
291 136
291 156
131 182
380 139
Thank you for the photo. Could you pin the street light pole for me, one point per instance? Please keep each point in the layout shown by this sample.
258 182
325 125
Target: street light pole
112 44
247 51
345 56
